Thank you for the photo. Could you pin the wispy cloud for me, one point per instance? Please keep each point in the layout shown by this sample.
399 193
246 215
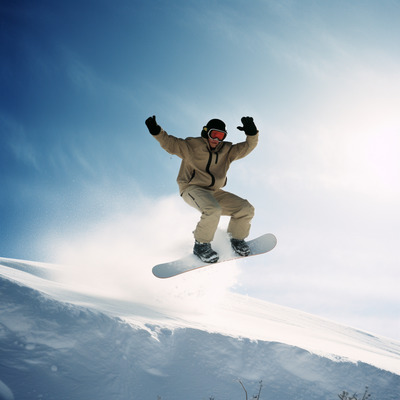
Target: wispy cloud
81 74
21 147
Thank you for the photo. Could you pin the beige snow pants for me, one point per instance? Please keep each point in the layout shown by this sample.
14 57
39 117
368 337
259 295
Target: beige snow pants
214 203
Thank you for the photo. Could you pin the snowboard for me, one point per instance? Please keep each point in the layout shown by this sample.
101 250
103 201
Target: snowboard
259 245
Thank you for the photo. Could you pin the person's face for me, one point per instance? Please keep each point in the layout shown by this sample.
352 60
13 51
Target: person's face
213 142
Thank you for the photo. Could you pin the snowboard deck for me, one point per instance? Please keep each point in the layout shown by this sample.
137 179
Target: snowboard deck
259 245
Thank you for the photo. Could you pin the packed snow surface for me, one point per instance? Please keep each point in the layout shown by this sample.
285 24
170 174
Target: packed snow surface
229 314
180 340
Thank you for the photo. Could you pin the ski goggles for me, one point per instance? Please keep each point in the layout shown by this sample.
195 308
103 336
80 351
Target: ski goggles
216 134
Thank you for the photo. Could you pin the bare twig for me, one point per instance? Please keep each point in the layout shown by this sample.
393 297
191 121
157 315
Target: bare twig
243 388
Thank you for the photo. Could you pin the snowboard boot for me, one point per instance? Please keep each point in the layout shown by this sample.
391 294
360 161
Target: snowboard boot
205 252
240 247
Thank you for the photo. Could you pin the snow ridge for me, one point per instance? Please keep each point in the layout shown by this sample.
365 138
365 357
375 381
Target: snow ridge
65 344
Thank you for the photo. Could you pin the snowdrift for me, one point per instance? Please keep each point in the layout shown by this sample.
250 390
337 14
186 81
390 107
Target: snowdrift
57 342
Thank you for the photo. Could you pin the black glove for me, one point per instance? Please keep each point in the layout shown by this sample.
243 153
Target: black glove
248 127
152 126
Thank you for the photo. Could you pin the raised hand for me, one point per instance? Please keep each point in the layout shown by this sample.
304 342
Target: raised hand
248 127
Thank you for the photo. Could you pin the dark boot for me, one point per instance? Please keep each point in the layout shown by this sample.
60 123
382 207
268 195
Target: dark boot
205 252
240 247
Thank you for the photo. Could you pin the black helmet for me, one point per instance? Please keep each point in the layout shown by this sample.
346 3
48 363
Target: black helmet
213 124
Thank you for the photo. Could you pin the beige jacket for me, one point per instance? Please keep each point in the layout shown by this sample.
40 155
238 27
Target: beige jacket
201 165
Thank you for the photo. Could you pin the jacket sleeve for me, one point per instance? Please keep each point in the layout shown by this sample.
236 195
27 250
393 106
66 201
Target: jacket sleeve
172 144
242 149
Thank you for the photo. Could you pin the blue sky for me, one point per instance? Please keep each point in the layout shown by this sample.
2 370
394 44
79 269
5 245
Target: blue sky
320 78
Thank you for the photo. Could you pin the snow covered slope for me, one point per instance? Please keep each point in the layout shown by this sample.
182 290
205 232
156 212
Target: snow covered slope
59 340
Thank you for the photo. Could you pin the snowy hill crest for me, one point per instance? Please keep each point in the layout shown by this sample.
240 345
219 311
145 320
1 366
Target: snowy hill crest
66 344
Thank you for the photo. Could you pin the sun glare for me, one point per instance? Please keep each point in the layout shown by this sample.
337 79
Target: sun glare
374 164
383 153
366 162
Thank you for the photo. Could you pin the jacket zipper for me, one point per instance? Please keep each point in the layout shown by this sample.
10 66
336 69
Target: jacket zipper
208 169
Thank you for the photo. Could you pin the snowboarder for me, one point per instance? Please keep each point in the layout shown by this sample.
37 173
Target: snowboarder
205 163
